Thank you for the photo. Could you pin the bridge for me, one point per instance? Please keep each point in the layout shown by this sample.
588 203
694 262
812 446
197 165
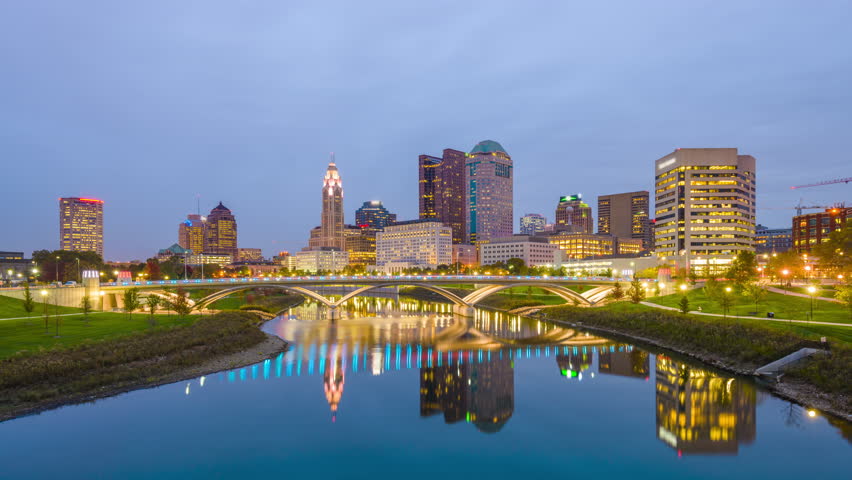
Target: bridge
485 286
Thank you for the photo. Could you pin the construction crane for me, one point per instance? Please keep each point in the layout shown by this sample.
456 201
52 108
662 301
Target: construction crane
826 182
798 208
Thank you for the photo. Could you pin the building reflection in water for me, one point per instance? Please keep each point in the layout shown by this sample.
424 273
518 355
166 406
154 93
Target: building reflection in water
479 393
467 367
701 412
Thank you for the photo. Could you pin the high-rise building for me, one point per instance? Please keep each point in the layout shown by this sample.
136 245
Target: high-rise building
361 245
574 215
489 193
626 215
772 240
373 215
442 190
811 229
532 224
705 207
331 227
191 233
221 232
414 244
322 259
81 225
249 255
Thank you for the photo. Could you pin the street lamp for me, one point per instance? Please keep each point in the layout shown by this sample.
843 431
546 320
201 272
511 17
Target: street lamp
683 288
784 274
727 300
44 302
812 290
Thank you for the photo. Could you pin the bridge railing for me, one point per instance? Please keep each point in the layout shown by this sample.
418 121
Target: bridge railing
360 278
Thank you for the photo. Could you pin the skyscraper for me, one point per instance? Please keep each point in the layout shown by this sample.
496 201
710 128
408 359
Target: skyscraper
331 222
81 225
373 215
532 224
489 193
442 190
221 232
626 215
574 215
191 233
705 207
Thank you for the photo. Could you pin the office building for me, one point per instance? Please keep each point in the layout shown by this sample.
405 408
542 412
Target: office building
361 245
574 215
414 244
586 245
534 251
221 232
772 240
322 259
705 207
625 362
173 251
191 233
249 255
14 268
811 229
373 215
626 215
465 255
81 225
331 227
532 224
489 193
442 190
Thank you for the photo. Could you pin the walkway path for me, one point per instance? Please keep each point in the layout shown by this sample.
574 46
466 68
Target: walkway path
654 305
41 317
803 295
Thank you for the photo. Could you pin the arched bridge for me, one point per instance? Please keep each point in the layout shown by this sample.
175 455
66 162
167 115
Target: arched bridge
486 285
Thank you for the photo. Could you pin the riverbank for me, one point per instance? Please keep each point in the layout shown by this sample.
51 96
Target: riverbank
38 381
737 347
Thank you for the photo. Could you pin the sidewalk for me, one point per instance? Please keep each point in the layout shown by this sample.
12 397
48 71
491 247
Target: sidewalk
803 295
40 316
692 312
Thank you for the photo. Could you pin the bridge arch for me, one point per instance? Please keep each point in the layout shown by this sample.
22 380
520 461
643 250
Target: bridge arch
440 291
302 291
558 290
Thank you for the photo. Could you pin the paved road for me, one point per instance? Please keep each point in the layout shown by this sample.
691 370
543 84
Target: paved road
848 325
41 317
803 295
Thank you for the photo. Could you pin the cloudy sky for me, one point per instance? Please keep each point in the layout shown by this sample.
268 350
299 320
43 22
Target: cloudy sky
150 105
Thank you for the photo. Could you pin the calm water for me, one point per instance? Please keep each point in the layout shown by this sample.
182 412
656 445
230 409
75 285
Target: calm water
406 391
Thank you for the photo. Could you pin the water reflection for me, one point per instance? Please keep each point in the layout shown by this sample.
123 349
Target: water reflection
702 412
467 368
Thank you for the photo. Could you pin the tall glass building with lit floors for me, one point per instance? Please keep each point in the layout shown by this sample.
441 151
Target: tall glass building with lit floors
705 207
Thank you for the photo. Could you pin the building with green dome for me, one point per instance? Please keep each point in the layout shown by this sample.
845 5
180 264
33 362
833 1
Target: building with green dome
489 192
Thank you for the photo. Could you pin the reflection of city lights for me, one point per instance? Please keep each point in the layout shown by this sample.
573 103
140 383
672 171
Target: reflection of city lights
187 388
201 380
812 413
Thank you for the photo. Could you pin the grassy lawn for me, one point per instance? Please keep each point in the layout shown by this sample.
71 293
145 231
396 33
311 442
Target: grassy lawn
784 306
13 308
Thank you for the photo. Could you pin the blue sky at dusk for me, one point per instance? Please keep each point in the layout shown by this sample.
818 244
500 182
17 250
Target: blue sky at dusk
148 104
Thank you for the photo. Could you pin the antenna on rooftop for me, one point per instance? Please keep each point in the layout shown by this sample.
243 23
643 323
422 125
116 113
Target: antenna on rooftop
332 157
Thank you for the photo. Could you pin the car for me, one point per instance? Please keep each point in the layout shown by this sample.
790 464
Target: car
71 283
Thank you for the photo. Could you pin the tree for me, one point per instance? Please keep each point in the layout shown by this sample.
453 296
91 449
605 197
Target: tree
683 306
844 294
516 266
86 306
152 269
726 301
743 269
712 288
617 292
152 302
692 277
834 254
29 302
755 292
131 301
180 303
636 292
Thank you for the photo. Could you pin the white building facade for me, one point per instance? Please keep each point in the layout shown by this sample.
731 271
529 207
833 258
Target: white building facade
534 251
322 259
417 243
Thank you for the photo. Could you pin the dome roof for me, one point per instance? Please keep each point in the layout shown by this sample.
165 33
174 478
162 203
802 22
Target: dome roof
487 146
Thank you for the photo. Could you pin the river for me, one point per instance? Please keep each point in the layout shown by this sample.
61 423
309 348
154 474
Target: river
404 389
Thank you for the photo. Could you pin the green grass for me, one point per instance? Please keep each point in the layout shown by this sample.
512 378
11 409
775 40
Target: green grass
29 335
63 374
785 306
13 308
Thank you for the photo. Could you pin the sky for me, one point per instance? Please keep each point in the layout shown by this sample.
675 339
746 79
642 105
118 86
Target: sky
153 106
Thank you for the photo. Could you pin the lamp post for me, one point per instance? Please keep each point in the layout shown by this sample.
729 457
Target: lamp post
57 268
727 300
44 302
812 290
784 274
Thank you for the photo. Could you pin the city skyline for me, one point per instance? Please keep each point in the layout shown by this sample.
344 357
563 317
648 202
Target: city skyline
776 95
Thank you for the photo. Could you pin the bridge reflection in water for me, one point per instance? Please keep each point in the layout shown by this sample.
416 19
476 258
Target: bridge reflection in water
467 367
